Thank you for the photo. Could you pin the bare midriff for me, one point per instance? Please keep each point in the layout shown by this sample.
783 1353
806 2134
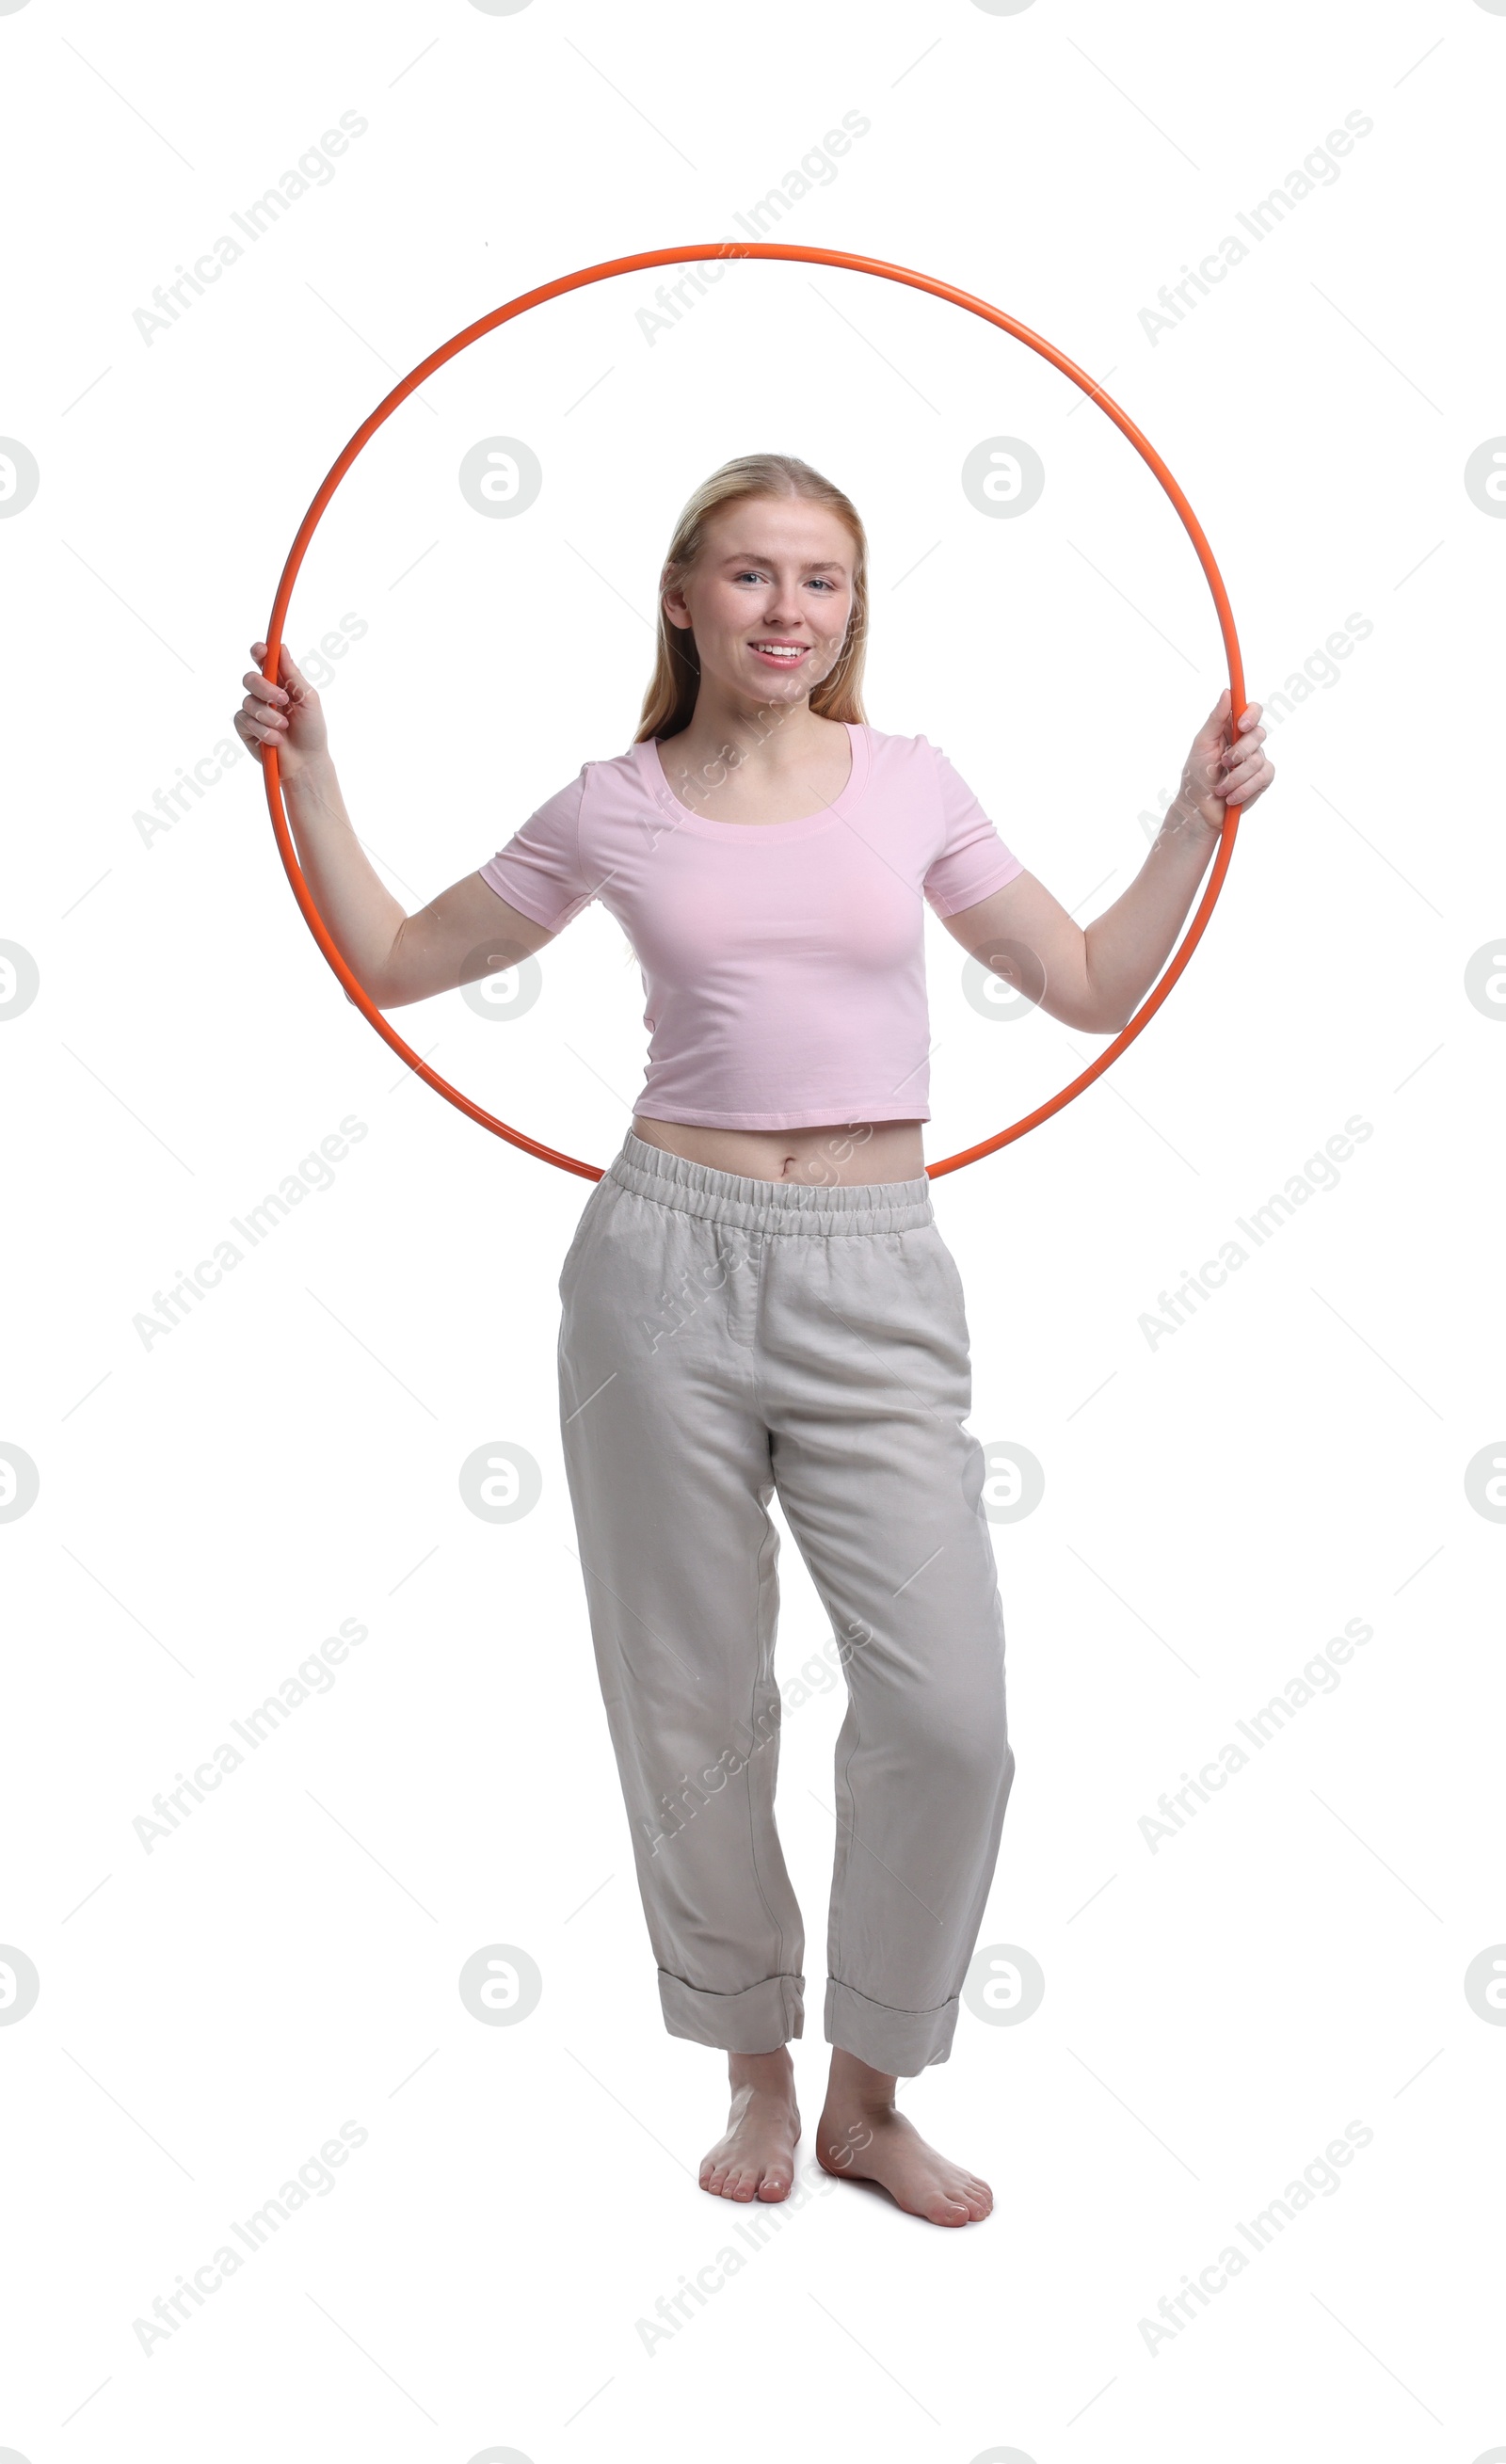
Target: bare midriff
839 1151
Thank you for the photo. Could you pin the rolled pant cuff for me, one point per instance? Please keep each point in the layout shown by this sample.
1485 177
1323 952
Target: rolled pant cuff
899 2041
758 2020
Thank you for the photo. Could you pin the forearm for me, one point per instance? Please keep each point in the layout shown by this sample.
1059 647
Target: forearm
363 917
1129 943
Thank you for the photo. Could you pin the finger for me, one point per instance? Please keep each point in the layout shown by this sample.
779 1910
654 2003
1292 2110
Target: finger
255 683
1215 728
1237 779
287 673
1260 776
259 651
1256 786
1241 760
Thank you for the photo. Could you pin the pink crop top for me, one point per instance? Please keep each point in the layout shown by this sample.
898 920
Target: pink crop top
783 962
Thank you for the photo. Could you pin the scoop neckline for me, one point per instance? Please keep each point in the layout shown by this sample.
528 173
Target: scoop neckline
805 825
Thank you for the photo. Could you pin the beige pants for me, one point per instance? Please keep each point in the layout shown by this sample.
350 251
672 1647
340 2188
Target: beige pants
723 1338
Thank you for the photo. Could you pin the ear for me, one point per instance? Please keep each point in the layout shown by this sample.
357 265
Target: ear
673 600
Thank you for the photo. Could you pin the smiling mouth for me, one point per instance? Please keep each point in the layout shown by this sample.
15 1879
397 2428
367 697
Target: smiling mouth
781 655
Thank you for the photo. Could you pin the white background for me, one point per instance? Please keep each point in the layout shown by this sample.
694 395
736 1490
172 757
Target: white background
1218 1503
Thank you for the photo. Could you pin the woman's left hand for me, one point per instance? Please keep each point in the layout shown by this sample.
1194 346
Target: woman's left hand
1223 769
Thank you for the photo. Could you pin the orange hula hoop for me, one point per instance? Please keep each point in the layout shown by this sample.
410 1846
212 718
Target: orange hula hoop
802 256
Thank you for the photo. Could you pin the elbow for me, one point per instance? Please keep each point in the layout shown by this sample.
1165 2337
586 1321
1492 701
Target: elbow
372 984
1104 1013
385 996
1093 1015
382 980
381 986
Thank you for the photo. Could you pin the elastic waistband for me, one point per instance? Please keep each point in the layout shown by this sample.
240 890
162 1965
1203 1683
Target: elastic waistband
768 1205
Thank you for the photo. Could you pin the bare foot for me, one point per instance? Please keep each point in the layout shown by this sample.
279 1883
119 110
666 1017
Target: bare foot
756 2159
861 2135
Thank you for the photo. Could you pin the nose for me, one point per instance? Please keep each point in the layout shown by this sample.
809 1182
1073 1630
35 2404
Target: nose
783 614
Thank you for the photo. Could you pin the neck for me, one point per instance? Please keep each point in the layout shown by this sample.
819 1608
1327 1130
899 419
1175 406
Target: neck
728 733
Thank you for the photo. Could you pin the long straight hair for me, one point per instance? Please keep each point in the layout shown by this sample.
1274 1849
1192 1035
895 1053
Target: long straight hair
671 696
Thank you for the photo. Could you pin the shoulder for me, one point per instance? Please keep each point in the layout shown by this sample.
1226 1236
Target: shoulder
619 778
620 768
906 753
598 787
911 769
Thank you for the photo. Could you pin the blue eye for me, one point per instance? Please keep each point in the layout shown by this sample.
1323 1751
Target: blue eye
755 573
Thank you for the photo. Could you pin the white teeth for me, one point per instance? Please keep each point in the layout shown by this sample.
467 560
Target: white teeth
780 650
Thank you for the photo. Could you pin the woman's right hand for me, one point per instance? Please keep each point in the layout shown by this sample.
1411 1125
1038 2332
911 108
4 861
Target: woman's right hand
287 715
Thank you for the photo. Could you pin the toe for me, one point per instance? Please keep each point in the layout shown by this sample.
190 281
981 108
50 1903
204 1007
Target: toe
775 2183
944 2210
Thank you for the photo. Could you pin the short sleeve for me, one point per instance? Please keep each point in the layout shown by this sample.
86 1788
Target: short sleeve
539 872
973 859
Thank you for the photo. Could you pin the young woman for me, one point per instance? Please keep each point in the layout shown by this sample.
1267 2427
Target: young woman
758 1299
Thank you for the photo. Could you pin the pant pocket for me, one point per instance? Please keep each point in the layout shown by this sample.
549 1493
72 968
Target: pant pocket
952 1282
589 1213
935 1287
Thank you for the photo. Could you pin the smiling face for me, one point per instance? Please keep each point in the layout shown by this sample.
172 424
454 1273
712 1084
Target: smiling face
769 597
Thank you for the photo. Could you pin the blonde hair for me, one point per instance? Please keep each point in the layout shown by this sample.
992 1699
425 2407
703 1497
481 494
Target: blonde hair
671 696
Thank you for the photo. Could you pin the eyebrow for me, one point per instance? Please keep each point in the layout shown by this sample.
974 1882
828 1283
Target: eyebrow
746 556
